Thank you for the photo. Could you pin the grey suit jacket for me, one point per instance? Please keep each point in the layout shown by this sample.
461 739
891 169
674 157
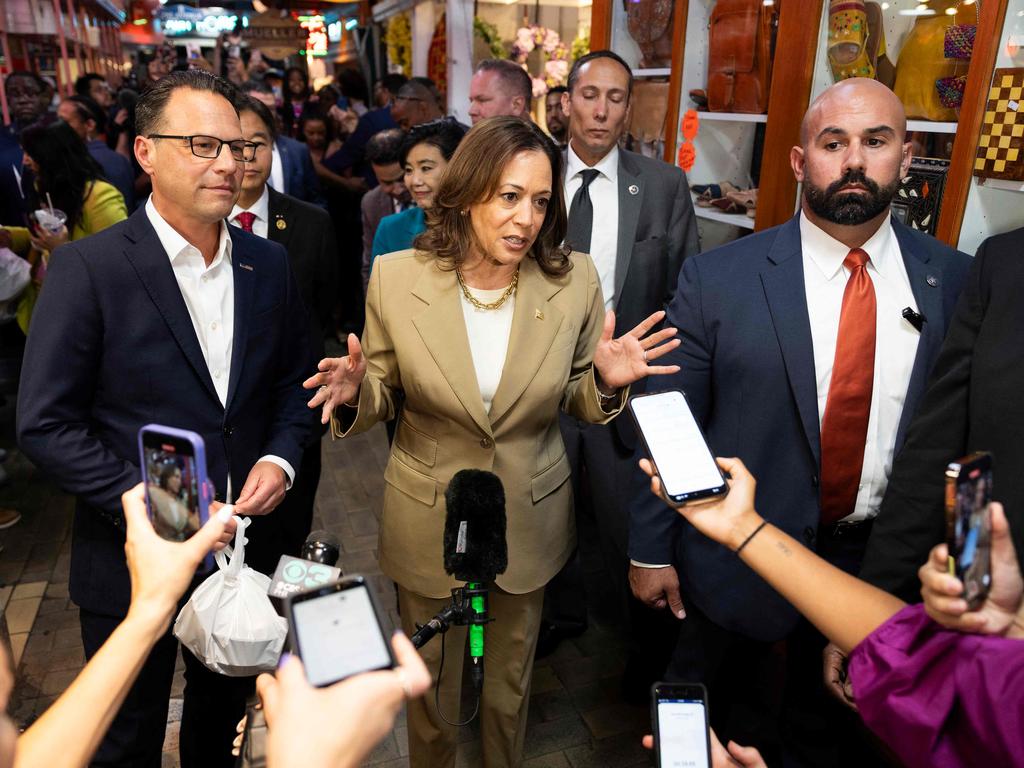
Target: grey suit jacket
376 204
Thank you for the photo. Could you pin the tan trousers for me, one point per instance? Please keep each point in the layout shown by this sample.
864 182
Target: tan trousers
509 644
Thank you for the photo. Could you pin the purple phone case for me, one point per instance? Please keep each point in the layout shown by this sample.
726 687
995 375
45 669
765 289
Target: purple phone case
199 455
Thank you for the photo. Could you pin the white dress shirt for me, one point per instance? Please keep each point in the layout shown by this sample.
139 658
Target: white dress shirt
276 179
261 208
604 195
209 294
895 342
489 331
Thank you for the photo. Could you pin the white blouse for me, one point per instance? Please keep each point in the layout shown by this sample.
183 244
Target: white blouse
488 331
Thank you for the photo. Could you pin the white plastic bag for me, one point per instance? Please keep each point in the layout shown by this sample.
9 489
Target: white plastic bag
229 622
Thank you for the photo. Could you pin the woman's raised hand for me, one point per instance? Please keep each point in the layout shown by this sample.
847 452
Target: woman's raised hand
622 361
339 379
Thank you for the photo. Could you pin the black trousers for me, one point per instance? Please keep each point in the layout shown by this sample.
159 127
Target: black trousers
605 479
212 708
296 511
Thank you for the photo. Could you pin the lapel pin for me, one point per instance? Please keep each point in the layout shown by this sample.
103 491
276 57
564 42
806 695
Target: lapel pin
281 224
245 266
634 189
932 280
538 314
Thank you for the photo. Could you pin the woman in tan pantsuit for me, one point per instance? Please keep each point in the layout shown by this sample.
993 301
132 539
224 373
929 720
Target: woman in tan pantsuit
489 327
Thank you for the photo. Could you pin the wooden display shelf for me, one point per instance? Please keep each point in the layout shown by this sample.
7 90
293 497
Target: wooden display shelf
713 214
930 126
733 117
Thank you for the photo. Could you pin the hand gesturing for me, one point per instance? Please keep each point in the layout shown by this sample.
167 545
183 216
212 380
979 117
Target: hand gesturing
339 379
626 359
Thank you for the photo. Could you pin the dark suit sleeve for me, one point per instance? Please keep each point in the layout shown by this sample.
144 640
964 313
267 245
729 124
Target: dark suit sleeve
353 150
682 234
653 524
290 421
326 287
911 519
311 192
59 377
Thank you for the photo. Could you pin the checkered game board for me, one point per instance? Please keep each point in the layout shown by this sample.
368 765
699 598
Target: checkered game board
1001 147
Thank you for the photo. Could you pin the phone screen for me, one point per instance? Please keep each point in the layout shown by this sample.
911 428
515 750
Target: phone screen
172 485
683 734
338 635
677 446
972 529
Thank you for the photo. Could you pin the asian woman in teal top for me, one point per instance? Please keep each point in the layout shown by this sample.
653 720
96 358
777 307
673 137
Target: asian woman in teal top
425 153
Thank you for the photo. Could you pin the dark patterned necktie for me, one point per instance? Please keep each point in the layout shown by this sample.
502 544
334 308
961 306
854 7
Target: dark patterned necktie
581 214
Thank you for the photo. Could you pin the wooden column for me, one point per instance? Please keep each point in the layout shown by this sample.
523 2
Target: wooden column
675 80
792 73
958 181
601 24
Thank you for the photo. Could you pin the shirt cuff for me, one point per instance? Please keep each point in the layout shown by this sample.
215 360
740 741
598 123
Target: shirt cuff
288 469
649 565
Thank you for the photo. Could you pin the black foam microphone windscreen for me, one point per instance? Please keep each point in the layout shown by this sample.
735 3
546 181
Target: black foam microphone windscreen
474 528
321 547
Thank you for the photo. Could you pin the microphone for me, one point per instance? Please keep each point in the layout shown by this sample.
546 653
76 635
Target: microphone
314 568
916 319
475 549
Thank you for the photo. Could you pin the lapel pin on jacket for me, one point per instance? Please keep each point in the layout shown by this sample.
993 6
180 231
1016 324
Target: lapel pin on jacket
538 314
281 223
243 265
932 280
634 189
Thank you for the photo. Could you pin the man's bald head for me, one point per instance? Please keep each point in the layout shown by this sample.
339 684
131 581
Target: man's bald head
858 95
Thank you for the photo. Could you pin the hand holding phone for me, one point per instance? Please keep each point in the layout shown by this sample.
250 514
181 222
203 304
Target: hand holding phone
178 494
336 631
969 524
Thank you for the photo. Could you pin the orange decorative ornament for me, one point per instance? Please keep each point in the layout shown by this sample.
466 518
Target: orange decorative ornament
689 124
687 156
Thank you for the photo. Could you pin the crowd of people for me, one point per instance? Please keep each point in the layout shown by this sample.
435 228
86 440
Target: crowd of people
500 291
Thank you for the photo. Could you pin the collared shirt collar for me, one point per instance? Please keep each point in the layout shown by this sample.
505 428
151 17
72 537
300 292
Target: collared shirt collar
828 254
175 245
261 207
608 166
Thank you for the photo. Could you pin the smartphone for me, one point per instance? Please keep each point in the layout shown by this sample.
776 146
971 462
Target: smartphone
336 631
675 443
969 524
173 465
682 733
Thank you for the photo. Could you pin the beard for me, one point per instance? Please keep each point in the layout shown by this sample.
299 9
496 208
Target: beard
850 208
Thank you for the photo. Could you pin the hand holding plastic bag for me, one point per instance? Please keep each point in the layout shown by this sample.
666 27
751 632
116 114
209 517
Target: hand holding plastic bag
229 622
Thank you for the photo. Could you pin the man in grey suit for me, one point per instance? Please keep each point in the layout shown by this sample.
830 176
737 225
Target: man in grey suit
389 196
634 216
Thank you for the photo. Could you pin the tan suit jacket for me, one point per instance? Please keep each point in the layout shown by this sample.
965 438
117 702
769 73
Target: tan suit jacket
415 340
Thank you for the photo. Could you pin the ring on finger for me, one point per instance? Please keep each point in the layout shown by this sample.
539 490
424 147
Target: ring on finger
645 355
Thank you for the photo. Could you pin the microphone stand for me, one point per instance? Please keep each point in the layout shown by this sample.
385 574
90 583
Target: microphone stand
467 608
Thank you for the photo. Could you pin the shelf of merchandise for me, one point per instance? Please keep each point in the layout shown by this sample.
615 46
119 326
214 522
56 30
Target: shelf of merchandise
713 214
733 117
660 72
930 126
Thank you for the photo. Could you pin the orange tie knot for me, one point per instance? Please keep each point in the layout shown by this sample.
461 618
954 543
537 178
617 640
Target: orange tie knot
856 258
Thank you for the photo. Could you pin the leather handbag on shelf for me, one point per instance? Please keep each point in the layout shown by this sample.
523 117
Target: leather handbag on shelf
740 55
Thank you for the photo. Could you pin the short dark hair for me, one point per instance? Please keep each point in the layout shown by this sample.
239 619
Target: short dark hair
42 84
557 89
444 133
574 73
150 107
473 177
421 88
245 103
393 82
352 84
88 109
383 148
255 86
513 77
83 85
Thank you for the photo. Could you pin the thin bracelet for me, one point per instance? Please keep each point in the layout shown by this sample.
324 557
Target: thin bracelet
747 540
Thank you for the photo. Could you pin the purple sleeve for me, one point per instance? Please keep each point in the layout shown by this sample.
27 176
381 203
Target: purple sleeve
939 697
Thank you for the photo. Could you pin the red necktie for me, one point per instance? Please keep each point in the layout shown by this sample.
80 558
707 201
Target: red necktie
845 425
246 218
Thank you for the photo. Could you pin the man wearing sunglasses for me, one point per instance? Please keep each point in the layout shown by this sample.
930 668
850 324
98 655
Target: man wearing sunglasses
170 317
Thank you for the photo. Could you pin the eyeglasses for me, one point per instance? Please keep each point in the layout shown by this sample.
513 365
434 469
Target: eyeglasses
208 147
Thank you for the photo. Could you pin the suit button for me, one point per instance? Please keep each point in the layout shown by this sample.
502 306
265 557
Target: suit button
814 481
809 535
486 442
228 430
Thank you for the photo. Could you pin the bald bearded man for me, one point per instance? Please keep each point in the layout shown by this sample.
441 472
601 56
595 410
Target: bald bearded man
798 357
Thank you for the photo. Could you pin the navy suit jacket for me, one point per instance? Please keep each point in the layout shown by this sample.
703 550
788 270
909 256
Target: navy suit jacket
112 348
297 167
353 152
747 368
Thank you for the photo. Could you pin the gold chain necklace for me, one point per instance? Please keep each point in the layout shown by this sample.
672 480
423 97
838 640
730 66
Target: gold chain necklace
494 304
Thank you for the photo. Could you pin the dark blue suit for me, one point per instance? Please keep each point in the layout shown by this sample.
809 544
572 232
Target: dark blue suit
747 367
111 348
297 168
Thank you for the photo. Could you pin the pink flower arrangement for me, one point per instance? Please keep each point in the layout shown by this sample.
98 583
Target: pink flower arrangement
556 56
